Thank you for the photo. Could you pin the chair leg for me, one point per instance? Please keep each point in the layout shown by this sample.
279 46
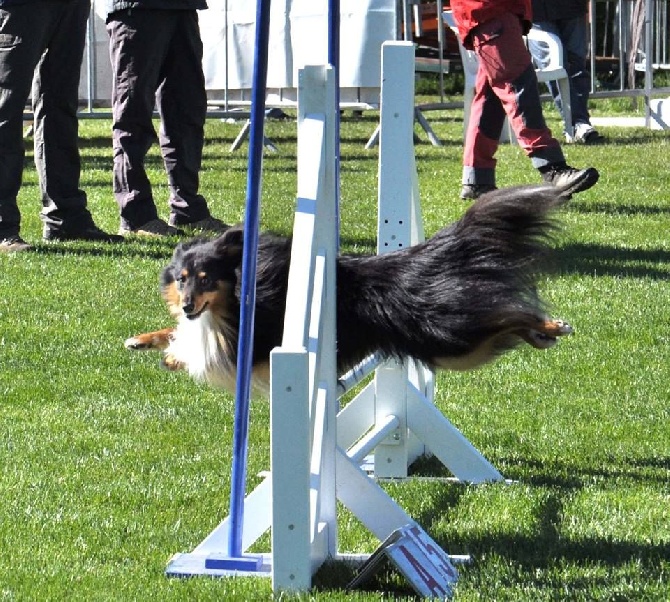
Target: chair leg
564 87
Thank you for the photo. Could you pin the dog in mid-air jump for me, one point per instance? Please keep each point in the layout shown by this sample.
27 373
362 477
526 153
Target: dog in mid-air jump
454 302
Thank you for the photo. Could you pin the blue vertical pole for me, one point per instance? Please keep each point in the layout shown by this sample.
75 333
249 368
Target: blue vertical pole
248 286
334 60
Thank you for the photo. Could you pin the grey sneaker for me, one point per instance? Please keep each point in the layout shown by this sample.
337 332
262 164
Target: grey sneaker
585 133
11 244
569 179
155 227
208 225
470 192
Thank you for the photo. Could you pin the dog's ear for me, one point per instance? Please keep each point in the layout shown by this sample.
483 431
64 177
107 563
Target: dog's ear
230 244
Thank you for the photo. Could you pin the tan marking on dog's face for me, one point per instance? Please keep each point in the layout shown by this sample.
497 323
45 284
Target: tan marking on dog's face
222 300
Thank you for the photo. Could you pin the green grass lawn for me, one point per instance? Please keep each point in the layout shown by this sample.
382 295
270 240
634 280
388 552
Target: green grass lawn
111 465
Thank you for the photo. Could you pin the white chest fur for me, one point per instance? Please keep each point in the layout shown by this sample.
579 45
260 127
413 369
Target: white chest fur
201 346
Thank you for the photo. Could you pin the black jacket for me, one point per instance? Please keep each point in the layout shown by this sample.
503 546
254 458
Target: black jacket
552 10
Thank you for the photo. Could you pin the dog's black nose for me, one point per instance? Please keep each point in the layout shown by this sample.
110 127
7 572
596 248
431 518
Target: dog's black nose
188 308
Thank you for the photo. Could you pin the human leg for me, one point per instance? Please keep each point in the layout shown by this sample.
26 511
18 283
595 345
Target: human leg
572 33
138 46
22 33
506 62
182 104
481 140
573 36
55 100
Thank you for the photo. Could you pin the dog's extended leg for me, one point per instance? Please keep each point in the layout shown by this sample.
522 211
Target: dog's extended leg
544 334
150 340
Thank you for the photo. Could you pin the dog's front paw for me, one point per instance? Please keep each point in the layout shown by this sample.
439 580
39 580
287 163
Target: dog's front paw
547 336
171 363
149 340
562 328
136 344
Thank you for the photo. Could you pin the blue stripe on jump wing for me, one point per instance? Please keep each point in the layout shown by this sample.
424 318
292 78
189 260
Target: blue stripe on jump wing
304 205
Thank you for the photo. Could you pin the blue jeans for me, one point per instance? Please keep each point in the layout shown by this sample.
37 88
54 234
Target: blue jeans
573 36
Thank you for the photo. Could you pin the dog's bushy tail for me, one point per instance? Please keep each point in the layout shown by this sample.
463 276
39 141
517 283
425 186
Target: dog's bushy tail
513 228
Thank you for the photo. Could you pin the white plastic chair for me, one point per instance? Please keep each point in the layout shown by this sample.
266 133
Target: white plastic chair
554 71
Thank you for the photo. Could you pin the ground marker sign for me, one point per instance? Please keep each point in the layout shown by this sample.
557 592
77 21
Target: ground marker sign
423 563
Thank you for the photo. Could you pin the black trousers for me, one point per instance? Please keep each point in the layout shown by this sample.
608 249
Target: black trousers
42 45
156 60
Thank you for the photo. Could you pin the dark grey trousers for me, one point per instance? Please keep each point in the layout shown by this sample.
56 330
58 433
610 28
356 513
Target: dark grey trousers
26 32
156 60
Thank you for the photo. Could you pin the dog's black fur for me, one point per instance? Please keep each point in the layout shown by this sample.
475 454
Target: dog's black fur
454 301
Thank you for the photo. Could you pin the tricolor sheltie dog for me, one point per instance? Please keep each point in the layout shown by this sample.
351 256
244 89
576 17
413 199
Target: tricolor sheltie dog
454 302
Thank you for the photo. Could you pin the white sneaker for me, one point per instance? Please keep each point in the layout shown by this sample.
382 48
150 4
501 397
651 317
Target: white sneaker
585 133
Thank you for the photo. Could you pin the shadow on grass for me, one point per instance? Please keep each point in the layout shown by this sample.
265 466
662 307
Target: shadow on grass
604 260
153 249
636 471
618 209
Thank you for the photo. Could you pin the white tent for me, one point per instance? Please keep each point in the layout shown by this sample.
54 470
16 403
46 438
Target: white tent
298 37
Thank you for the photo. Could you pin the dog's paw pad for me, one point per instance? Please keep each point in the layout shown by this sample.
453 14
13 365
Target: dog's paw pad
134 343
541 340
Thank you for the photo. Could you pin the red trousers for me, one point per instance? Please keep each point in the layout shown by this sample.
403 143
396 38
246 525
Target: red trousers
506 85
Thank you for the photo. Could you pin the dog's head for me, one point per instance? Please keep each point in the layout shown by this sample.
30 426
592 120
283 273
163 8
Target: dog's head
202 276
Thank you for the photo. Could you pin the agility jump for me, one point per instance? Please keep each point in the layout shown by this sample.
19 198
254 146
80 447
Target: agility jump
298 499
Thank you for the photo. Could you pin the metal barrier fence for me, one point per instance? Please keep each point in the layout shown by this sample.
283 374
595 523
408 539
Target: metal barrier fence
632 35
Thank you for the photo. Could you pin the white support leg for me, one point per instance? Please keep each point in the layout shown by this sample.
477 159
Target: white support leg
446 442
290 436
404 390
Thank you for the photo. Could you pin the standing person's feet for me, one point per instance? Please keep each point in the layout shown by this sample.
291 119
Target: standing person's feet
470 192
569 179
585 133
208 225
90 233
13 243
155 227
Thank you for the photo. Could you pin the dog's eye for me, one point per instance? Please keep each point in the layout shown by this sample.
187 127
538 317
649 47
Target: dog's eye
205 281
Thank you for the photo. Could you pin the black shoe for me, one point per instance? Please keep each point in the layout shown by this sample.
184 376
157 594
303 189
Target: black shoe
154 228
14 243
89 233
470 192
569 179
208 225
